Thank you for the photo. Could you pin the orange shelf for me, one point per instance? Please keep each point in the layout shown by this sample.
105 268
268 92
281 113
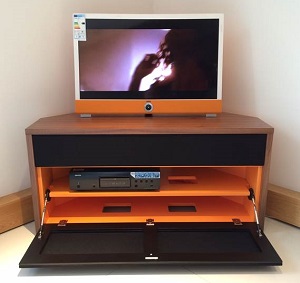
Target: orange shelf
207 209
201 181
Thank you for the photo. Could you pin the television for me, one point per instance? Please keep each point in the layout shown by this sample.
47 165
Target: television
148 63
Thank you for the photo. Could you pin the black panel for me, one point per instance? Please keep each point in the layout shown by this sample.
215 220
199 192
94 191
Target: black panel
206 242
151 23
161 243
106 242
149 150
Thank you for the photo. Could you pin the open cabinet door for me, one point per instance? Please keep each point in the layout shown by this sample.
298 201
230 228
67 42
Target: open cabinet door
150 243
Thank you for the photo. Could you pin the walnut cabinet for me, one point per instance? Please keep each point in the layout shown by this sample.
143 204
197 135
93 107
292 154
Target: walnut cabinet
209 209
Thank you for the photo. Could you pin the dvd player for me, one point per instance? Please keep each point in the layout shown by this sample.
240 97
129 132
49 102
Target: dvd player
121 179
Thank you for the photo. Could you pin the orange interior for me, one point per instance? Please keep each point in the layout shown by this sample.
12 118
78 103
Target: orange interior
217 194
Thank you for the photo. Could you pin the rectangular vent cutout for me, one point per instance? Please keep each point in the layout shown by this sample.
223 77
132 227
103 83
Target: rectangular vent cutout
182 208
116 208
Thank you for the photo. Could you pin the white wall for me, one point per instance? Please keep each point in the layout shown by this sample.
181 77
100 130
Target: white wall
36 71
261 69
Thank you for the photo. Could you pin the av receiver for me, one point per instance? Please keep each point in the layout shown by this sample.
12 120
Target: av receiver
100 179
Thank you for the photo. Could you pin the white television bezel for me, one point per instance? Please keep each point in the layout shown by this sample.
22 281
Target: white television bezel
93 106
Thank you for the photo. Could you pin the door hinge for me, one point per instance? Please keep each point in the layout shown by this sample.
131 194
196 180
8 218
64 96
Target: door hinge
252 198
47 198
237 221
149 222
62 223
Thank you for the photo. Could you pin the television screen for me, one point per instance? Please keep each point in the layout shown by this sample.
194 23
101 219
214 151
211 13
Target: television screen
149 58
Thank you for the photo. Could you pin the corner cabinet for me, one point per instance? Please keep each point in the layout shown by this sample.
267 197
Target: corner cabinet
208 210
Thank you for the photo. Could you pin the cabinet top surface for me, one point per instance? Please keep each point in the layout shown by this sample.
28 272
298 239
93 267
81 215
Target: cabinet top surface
221 124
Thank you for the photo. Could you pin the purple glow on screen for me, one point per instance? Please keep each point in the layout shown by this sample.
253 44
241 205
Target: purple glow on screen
109 57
